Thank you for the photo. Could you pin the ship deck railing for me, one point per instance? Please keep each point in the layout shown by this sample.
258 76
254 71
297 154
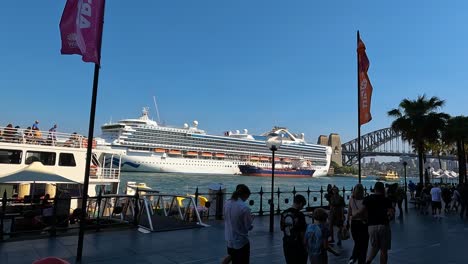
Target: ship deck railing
41 137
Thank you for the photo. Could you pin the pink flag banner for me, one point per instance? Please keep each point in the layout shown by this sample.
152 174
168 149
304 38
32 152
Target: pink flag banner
81 29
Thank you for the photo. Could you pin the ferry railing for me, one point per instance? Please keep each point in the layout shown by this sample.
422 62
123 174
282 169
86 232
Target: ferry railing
41 137
181 209
259 202
107 173
61 215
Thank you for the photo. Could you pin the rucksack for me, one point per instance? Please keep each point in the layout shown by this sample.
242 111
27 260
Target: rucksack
289 220
314 239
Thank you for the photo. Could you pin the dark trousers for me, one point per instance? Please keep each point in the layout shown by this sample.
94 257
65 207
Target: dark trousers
294 252
464 210
361 241
241 255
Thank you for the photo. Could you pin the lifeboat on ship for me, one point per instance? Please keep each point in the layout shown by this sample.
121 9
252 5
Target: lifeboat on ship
191 153
220 155
175 152
254 158
160 150
264 159
286 160
206 154
277 159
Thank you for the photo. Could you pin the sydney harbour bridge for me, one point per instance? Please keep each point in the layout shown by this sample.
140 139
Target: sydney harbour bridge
382 142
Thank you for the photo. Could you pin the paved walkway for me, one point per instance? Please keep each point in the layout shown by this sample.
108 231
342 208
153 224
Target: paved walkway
417 239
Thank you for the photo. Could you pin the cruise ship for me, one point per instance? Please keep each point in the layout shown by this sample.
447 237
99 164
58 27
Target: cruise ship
152 147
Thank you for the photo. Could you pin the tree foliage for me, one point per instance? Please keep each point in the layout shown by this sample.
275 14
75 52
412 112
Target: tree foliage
420 123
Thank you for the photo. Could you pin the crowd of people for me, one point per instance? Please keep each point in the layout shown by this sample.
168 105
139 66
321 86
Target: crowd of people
439 197
367 218
33 135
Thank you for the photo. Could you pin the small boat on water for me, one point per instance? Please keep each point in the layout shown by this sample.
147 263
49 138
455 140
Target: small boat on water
250 170
389 176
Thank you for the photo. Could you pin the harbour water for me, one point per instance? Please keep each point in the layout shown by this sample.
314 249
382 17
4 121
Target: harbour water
174 183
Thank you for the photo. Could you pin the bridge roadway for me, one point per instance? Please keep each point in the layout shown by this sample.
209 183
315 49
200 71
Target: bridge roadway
416 239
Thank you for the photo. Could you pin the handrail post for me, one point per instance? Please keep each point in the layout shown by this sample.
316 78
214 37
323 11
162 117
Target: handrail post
4 201
321 195
344 194
308 196
219 208
136 209
53 230
278 210
196 197
98 205
260 212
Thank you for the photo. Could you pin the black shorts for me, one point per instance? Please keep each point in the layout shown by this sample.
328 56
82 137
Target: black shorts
241 255
436 205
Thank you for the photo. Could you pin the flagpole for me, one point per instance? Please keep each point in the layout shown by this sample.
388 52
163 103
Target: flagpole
79 251
92 115
359 114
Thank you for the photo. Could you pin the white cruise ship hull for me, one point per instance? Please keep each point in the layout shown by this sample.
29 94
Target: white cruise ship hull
139 162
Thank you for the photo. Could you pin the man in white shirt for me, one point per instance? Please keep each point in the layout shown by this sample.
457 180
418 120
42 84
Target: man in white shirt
436 200
237 224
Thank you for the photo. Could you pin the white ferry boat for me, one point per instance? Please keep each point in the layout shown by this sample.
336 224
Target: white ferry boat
62 154
151 147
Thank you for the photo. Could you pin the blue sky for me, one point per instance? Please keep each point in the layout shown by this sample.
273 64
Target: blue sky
235 64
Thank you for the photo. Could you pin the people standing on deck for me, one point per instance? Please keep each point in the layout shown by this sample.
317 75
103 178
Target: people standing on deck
379 211
237 224
293 225
35 126
52 137
36 131
337 217
359 230
436 200
316 238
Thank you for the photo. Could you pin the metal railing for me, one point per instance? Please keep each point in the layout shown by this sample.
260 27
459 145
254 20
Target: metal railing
259 202
39 137
39 217
182 209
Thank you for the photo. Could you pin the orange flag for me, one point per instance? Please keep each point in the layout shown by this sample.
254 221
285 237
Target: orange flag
365 87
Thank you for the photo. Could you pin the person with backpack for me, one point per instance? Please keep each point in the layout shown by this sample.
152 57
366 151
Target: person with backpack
379 211
293 225
316 238
237 224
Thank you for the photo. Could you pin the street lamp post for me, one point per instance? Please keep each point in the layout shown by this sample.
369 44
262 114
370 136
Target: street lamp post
273 143
406 187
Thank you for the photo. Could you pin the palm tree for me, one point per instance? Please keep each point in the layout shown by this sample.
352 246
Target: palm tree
419 122
456 132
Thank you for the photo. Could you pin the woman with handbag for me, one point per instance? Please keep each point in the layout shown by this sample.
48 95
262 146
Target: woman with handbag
359 230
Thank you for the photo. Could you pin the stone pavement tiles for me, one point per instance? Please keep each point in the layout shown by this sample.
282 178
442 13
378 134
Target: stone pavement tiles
415 239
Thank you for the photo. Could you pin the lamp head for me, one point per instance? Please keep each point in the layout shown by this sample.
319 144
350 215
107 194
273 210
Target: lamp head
405 163
274 142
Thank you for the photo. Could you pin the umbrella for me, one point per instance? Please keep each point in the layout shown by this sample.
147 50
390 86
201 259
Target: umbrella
34 173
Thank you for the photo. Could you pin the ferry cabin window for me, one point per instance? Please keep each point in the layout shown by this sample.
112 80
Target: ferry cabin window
10 156
46 158
67 160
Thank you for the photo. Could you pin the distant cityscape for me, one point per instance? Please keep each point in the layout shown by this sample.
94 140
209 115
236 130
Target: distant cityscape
370 166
